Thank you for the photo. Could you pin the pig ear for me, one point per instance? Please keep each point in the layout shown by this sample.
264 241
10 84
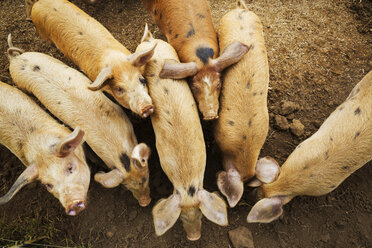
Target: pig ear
147 36
241 4
110 179
230 55
267 170
141 154
231 186
178 70
70 143
29 175
213 207
266 210
166 213
101 79
140 58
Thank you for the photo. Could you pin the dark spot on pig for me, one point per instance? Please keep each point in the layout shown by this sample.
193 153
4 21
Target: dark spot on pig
170 31
81 33
107 113
176 36
166 91
332 186
124 159
54 9
261 93
357 111
32 129
36 68
311 175
251 47
248 85
191 191
250 123
191 31
69 78
341 108
253 74
345 167
143 180
231 123
326 155
255 114
255 93
101 106
204 54
143 81
306 167
155 61
23 67
170 123
244 137
167 112
58 102
356 135
20 145
228 109
152 75
241 28
330 138
299 146
201 16
155 12
161 16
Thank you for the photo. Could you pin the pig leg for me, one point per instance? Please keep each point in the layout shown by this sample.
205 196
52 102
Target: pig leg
267 209
110 179
230 184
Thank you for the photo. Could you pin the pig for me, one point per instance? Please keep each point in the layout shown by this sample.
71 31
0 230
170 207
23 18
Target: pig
319 164
97 53
188 27
50 151
63 91
181 148
242 128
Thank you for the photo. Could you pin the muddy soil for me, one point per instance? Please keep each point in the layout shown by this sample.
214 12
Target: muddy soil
318 50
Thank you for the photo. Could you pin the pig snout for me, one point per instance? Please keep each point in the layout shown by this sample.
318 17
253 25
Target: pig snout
210 112
194 236
147 111
75 207
144 201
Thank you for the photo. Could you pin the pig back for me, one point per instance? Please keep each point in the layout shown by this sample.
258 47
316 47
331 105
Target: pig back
178 132
342 145
63 91
243 124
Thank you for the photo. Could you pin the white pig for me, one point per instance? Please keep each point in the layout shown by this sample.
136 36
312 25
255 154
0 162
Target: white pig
242 127
51 153
319 164
181 148
63 91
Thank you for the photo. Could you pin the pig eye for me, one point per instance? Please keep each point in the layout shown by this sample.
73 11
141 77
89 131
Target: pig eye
70 168
49 186
119 90
143 81
195 89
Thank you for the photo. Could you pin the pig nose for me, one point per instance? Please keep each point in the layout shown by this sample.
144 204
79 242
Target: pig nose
211 115
144 201
75 207
194 236
147 111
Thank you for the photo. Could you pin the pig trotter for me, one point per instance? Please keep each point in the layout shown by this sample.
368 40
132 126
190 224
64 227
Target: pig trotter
231 185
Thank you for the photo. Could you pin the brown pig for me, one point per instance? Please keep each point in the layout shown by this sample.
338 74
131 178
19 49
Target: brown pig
63 91
189 29
242 127
51 153
98 54
181 148
319 164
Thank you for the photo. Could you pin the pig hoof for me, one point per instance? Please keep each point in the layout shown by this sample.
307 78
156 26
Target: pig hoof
231 186
144 202
194 236
75 207
147 111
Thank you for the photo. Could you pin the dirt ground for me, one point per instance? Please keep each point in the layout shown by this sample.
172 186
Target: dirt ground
318 50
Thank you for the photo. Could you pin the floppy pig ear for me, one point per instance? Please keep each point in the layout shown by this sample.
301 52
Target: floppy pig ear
101 79
110 179
70 143
266 210
166 213
142 57
213 207
231 185
267 170
173 69
140 155
230 55
29 175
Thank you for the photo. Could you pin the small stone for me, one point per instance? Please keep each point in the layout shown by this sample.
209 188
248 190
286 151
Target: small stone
241 237
281 122
132 215
109 234
297 128
288 107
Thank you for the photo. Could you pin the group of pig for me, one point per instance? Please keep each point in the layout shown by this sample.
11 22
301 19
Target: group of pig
151 82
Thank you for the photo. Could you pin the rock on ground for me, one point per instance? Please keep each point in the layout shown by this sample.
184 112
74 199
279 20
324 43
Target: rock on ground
241 237
281 122
288 107
297 128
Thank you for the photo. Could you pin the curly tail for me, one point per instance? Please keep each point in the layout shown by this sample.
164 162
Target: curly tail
13 51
